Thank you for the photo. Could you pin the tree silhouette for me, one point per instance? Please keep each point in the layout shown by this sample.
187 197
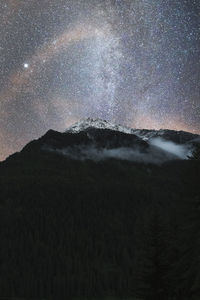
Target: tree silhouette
195 154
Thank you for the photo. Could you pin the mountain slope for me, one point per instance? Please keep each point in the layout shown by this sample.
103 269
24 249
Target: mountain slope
107 228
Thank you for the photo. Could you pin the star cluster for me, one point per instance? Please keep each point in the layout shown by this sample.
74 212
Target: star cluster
134 62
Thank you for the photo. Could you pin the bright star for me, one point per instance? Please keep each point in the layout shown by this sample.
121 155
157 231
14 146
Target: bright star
26 66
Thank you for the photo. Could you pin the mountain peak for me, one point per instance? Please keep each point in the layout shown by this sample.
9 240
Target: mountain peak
84 124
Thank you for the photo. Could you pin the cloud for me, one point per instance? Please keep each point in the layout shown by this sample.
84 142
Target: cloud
181 151
159 151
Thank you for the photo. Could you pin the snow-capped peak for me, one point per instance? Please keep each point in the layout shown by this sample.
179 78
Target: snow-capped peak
179 137
99 124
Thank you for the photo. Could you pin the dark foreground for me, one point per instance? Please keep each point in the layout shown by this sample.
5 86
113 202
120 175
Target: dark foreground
107 230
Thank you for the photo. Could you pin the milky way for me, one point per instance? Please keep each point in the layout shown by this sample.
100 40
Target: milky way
131 62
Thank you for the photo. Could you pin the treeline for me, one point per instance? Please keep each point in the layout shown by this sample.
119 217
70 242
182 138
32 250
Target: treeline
80 229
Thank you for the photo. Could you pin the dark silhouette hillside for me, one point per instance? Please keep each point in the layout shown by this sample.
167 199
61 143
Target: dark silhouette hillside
110 228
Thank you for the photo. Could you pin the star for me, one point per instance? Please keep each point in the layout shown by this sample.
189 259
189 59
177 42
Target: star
26 65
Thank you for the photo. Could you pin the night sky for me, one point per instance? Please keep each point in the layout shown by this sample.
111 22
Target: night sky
131 62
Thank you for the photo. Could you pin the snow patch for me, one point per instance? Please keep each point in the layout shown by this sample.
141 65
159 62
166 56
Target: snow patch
99 124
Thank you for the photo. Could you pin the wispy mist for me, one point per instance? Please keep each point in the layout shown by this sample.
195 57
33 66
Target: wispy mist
181 151
159 151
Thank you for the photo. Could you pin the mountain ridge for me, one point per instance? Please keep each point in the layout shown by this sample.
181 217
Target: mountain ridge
98 139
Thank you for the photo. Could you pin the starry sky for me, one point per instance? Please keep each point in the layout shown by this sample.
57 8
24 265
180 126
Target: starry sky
134 62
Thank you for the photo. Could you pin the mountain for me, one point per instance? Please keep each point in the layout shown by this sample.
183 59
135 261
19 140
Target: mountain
101 210
97 139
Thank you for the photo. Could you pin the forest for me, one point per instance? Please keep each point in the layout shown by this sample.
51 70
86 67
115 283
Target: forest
108 230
